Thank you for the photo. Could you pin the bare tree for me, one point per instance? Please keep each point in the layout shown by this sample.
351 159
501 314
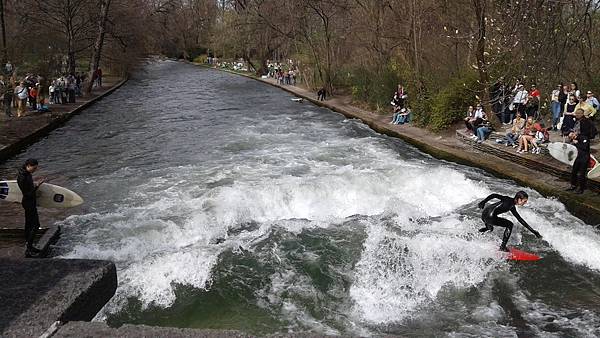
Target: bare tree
97 51
70 18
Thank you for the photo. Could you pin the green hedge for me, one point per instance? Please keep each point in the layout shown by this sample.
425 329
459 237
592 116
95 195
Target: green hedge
373 87
451 102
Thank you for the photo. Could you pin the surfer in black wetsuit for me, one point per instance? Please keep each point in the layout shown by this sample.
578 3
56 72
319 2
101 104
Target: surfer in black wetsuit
506 203
580 166
29 189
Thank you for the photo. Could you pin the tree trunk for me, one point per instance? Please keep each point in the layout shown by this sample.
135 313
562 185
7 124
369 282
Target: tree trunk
70 55
4 49
97 54
484 78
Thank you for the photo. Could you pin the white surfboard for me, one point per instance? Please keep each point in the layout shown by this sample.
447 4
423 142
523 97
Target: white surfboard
299 99
48 195
564 152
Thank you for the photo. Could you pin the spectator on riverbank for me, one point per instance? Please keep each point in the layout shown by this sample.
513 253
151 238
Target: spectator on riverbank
555 105
574 90
483 131
588 109
78 80
592 100
399 98
402 116
8 68
21 95
519 101
532 106
480 120
51 92
527 135
568 120
469 118
322 93
584 126
33 93
512 136
71 88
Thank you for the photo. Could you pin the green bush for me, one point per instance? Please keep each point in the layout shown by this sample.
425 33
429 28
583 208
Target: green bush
373 87
449 105
200 58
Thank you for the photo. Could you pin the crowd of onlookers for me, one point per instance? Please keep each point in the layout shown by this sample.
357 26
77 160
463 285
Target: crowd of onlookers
519 109
572 117
284 74
33 93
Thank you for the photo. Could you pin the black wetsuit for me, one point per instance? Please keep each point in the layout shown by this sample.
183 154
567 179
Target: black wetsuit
32 222
580 166
491 219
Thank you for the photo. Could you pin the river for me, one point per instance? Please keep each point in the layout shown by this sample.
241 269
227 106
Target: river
226 205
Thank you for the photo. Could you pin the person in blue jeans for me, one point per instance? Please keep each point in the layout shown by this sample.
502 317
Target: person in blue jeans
402 116
556 105
482 133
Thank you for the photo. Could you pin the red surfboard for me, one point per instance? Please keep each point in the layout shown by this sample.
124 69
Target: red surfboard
518 255
592 163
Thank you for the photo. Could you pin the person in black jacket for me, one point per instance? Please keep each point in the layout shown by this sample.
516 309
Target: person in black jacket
584 125
505 204
580 166
29 190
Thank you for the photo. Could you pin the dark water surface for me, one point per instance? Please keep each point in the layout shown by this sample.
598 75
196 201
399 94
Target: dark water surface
226 205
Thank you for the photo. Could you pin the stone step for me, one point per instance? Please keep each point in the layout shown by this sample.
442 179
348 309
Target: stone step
542 162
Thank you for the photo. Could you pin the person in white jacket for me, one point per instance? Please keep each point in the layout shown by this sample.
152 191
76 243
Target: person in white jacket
520 100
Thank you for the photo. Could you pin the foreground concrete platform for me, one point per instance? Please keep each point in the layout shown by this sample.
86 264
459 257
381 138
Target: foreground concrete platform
101 330
36 293
93 330
12 242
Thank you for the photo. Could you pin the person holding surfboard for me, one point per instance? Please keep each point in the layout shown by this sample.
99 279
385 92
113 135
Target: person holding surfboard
505 204
29 189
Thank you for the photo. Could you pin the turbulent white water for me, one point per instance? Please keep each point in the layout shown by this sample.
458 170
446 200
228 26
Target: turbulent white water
347 231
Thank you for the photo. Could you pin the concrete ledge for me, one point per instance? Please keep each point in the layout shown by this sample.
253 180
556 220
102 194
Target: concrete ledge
16 147
36 293
542 162
48 238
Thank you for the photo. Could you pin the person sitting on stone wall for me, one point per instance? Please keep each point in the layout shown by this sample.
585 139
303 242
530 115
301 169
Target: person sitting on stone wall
479 118
512 136
402 116
527 136
469 118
